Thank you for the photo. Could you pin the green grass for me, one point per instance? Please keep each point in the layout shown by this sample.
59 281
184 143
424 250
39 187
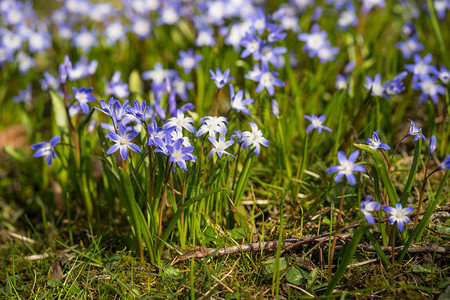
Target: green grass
100 229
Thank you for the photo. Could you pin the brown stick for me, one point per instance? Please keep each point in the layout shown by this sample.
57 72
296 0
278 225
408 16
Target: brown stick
288 244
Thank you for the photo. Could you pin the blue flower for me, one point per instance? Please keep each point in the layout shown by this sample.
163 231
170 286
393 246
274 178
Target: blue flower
429 88
24 95
398 214
158 77
415 131
444 75
267 80
254 74
421 66
314 40
189 60
64 69
396 86
273 55
141 27
275 108
408 29
154 132
38 41
85 39
46 149
220 146
252 45
368 5
375 142
122 142
254 139
316 123
410 46
49 82
347 167
221 79
205 37
116 87
433 144
375 85
275 33
237 103
114 32
212 125
368 207
347 17
180 122
180 154
341 82
83 97
140 111
441 7
445 165
327 53
82 68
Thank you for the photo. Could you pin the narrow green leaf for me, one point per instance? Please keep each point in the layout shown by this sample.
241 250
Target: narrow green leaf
349 252
418 231
136 85
85 121
438 32
243 178
182 208
285 153
412 173
380 163
377 247
59 110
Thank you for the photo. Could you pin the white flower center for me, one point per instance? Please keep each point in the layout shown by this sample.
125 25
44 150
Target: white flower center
421 68
267 79
316 123
315 41
429 88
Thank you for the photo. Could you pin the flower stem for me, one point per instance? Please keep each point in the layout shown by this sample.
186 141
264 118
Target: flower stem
333 245
235 173
393 242
71 127
150 165
217 103
163 195
393 153
182 202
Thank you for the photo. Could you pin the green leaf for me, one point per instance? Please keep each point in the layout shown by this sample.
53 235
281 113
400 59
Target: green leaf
350 251
59 110
182 208
380 163
269 265
85 121
15 153
237 233
378 248
412 173
136 85
209 235
172 273
296 276
418 231
423 269
243 178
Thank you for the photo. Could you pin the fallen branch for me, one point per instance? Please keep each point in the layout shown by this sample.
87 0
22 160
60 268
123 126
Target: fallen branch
288 244
411 249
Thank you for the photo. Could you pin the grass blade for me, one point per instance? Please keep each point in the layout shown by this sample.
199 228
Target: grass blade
350 250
